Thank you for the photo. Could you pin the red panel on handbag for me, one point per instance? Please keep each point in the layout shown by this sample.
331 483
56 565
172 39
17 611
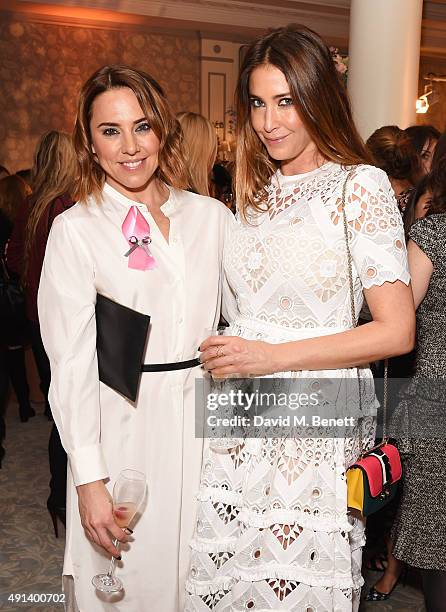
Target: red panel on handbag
373 467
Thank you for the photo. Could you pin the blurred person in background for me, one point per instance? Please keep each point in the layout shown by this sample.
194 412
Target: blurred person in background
3 172
418 203
424 138
13 192
419 530
393 152
53 178
379 525
221 184
26 175
200 150
4 376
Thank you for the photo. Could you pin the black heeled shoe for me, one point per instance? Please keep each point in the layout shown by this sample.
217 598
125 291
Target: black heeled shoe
26 413
375 595
57 512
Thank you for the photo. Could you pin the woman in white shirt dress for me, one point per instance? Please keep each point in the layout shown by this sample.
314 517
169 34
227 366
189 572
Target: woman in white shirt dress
131 167
273 530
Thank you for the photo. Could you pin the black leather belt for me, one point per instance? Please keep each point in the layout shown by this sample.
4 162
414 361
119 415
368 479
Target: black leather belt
167 367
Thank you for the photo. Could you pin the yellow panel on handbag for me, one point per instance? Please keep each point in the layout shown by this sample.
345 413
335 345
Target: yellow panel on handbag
355 489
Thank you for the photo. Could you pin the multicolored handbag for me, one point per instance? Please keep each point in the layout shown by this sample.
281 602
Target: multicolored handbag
373 480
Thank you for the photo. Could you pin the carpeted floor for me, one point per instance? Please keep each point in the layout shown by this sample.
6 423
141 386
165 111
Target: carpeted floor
31 557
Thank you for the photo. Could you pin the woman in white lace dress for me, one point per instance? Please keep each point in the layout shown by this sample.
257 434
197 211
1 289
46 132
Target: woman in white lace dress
273 532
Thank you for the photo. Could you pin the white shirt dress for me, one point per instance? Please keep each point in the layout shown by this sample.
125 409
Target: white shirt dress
103 432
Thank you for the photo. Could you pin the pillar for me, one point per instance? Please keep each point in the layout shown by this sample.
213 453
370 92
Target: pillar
384 58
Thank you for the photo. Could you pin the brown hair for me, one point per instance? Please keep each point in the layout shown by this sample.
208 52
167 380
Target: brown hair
200 149
438 178
394 152
54 174
420 190
13 190
421 135
321 101
171 167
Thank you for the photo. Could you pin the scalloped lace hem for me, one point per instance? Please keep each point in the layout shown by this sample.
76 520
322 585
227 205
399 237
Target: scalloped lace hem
279 572
391 278
214 546
293 517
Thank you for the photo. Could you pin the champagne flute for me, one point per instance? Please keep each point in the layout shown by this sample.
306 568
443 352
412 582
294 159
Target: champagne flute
128 494
220 384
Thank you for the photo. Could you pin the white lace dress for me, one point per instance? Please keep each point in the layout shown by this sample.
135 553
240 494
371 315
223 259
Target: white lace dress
272 528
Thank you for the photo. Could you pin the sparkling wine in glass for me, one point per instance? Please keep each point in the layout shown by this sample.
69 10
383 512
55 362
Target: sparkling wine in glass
128 493
123 513
220 384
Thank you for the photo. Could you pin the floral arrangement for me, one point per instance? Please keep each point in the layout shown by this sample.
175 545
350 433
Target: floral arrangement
341 62
232 121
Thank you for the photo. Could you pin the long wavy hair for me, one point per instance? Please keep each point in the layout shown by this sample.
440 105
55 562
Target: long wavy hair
54 174
320 99
200 149
171 166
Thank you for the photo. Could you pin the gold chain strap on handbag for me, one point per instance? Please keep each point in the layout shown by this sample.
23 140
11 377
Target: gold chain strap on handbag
353 314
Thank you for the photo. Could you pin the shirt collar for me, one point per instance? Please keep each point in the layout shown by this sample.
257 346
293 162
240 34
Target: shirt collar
169 206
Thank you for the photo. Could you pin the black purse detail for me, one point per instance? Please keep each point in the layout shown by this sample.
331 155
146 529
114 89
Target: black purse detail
121 336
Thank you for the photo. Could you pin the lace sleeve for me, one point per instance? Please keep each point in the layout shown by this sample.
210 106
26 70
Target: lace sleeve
377 236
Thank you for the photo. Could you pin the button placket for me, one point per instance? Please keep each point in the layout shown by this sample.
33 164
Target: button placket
177 252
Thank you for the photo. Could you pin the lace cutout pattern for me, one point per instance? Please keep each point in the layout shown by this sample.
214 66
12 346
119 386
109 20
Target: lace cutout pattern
290 268
273 531
226 512
286 534
282 588
211 600
220 558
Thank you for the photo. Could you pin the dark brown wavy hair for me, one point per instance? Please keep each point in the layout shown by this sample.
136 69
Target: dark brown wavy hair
421 188
438 178
421 135
320 99
394 152
171 166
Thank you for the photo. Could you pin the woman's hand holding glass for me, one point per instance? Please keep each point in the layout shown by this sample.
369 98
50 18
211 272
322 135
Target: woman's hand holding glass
96 511
128 494
224 356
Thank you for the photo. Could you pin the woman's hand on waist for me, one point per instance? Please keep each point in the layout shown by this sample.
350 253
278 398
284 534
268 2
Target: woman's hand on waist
226 355
96 511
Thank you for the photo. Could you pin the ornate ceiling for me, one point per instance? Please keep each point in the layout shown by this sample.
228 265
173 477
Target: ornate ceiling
232 19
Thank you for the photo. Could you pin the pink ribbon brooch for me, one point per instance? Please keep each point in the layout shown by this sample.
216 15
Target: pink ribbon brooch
137 233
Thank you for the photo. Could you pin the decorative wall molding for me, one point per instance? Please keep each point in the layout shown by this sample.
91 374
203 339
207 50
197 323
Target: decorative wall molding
236 20
219 69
